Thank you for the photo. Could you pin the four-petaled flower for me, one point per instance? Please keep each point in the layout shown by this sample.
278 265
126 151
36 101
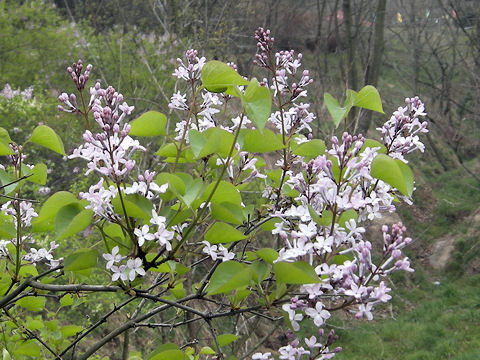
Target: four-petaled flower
143 234
113 258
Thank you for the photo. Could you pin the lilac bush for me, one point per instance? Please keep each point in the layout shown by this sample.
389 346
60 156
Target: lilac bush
205 232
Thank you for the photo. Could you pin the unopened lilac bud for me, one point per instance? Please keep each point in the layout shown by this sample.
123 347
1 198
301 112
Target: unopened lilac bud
396 253
89 67
116 128
63 97
385 228
69 70
337 349
130 164
295 343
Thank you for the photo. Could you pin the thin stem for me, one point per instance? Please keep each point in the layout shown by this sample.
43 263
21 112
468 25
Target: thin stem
204 208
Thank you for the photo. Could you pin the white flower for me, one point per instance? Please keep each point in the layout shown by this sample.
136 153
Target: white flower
119 272
318 314
135 267
292 316
143 234
260 356
113 258
211 250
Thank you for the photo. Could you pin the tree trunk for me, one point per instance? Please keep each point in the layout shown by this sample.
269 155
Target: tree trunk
373 68
351 68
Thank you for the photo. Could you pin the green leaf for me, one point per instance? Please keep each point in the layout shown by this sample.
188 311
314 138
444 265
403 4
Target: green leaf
223 233
311 149
70 330
27 270
167 150
337 112
176 185
5 148
197 141
219 77
370 143
28 348
35 324
81 259
298 272
346 216
213 140
48 212
394 172
340 259
6 179
260 271
4 136
71 219
225 192
268 255
257 102
207 350
257 142
229 275
172 354
228 212
223 140
7 227
66 300
369 98
39 174
151 123
32 303
47 137
192 192
136 205
226 339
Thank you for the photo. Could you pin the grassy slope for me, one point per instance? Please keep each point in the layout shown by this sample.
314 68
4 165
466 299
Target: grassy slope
428 321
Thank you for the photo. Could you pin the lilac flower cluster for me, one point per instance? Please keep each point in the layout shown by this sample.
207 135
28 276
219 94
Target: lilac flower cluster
27 212
335 194
75 72
109 151
200 110
38 255
283 66
217 251
134 267
400 133
192 69
8 93
126 271
330 187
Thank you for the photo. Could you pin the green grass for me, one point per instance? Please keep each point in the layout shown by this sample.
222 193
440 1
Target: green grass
435 322
449 197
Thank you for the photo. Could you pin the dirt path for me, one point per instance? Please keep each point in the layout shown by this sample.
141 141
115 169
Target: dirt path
441 251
